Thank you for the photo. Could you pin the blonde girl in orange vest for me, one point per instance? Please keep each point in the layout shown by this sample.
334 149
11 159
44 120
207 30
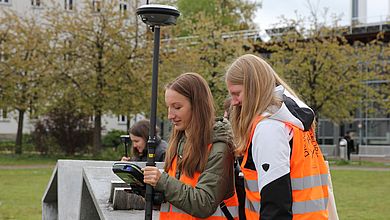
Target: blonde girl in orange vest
198 174
284 170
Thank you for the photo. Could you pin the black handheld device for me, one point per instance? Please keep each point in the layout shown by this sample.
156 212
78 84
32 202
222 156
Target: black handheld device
125 140
132 175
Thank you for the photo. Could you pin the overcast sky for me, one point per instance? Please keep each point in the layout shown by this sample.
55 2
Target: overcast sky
271 10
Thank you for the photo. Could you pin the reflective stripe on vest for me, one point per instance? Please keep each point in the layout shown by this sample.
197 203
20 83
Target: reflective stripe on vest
251 185
296 183
218 213
170 212
309 183
252 205
309 206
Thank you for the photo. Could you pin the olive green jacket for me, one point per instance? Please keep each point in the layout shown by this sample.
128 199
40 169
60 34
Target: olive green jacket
215 183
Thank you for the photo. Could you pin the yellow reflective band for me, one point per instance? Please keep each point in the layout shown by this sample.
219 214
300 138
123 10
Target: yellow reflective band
150 155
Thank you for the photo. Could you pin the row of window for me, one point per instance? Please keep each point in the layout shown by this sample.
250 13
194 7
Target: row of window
69 4
4 116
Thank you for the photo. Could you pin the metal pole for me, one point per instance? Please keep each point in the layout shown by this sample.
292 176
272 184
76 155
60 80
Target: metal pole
152 141
126 154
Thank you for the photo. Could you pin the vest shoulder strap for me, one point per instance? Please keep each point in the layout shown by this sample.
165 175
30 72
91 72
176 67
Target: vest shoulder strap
225 211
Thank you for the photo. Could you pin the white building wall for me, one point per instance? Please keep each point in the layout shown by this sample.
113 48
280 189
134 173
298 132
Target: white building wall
358 11
9 125
114 122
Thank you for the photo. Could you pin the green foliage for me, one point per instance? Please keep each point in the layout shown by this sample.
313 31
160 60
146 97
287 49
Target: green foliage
98 58
112 139
323 68
64 126
112 154
22 72
208 51
9 145
234 14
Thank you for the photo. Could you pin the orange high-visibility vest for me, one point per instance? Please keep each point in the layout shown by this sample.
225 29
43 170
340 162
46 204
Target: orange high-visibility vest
170 212
308 173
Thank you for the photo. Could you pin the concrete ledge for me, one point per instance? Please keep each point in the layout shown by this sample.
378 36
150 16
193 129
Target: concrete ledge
97 185
67 188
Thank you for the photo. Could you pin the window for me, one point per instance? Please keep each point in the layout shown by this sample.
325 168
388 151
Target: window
3 113
96 5
5 1
36 3
122 119
68 4
123 6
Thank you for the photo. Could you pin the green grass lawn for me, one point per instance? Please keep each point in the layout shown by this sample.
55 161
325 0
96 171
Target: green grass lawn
21 192
362 194
359 194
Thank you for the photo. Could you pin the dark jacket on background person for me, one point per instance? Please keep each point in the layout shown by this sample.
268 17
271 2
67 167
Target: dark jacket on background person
216 182
160 152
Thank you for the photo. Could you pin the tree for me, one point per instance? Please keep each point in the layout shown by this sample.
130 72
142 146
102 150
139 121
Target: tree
235 14
5 32
22 69
323 68
100 51
378 57
210 41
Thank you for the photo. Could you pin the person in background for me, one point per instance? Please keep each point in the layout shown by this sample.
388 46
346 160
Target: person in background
139 134
350 143
284 170
198 180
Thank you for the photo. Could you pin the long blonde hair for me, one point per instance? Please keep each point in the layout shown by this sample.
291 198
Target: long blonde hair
199 131
258 80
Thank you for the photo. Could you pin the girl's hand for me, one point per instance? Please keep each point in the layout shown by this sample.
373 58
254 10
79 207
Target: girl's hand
151 175
125 159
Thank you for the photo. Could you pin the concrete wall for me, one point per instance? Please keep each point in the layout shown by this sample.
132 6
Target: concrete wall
83 185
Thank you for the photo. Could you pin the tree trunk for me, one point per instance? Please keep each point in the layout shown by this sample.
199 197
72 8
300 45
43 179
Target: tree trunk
128 123
97 133
19 133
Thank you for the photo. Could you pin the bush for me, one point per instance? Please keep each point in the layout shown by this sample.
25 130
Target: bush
64 126
9 145
112 138
44 143
111 154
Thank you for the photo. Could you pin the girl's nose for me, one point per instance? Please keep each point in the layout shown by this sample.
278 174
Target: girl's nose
170 115
234 102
